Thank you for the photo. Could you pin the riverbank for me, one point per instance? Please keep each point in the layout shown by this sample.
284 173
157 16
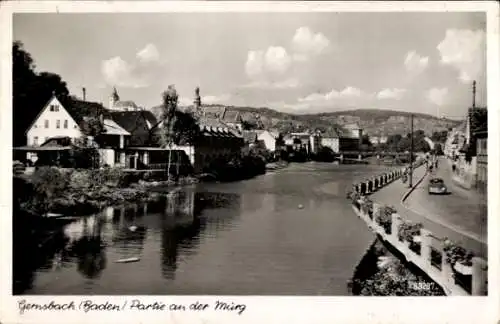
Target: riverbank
66 192
380 273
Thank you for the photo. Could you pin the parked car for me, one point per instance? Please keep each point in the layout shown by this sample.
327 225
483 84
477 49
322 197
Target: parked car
437 186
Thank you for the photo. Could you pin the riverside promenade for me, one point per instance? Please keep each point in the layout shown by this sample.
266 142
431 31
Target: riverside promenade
446 216
455 261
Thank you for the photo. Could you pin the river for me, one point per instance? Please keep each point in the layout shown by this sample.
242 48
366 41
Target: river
289 232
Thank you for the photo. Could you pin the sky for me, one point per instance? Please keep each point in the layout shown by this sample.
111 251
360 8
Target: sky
291 62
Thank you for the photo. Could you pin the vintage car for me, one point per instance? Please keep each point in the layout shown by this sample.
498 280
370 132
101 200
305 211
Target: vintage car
437 186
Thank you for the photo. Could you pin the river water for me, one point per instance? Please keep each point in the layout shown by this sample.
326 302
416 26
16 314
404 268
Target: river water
290 232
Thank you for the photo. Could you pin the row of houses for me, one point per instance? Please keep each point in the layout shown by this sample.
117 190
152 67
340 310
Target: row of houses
129 139
471 171
130 134
337 140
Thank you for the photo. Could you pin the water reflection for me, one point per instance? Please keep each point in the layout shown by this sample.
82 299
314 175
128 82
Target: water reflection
175 222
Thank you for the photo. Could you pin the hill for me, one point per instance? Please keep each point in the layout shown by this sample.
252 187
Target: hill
374 122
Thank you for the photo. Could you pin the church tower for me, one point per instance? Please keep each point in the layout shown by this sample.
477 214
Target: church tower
197 102
114 98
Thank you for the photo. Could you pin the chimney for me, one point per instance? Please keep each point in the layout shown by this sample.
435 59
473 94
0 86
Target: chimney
84 94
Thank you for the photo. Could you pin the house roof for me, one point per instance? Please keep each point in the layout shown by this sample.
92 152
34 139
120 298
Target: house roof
125 103
57 141
231 116
112 128
132 120
352 126
79 109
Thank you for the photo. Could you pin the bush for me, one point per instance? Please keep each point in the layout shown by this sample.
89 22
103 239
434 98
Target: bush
48 184
385 218
80 179
455 253
408 230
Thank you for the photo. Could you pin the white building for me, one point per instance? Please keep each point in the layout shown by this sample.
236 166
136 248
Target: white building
331 142
53 120
116 104
269 139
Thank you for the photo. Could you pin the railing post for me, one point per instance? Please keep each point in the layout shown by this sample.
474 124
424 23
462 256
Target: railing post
395 224
376 213
425 245
479 276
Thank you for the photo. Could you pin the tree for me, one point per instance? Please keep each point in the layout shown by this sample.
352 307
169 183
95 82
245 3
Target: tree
167 132
248 125
31 91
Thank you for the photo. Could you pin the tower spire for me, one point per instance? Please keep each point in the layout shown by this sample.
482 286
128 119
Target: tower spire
115 95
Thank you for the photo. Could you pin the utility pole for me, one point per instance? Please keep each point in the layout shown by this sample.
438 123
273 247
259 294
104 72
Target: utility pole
474 94
411 152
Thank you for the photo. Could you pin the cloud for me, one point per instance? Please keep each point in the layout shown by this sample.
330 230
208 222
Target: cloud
148 54
138 74
290 83
275 60
209 99
438 96
306 43
261 65
215 99
394 93
348 92
118 72
465 50
415 63
255 63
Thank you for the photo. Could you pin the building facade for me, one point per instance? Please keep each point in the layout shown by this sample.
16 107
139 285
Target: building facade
482 161
53 120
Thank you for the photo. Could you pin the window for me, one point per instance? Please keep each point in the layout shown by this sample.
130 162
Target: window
65 123
35 141
58 123
54 108
46 123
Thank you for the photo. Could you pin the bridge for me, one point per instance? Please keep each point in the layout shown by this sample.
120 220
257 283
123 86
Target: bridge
417 245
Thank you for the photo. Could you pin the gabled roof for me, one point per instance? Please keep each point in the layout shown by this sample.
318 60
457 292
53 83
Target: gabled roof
216 112
231 116
132 120
76 108
112 128
79 109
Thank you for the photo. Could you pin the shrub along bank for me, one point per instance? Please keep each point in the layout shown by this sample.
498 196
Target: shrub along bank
80 192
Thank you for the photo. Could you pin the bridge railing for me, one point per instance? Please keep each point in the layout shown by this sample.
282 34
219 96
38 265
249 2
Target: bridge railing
451 266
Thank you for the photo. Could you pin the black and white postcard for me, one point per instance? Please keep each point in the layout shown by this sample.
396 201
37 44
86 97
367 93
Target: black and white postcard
199 162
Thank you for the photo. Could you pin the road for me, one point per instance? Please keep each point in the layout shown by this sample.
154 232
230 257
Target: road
419 207
464 210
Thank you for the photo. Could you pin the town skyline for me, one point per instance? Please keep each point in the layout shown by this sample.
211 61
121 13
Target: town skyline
294 63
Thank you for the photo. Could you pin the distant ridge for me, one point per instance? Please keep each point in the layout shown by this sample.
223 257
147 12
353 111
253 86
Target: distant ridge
374 122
